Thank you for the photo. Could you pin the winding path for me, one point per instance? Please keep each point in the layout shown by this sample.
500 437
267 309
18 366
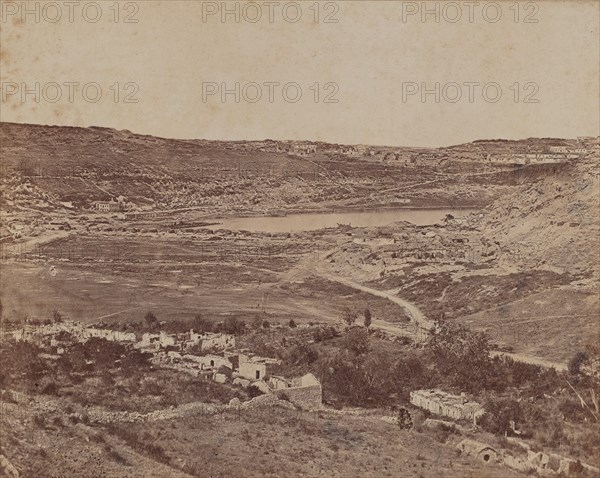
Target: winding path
423 325
560 367
421 322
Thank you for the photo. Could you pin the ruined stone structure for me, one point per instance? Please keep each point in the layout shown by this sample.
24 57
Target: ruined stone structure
305 392
210 341
253 370
526 460
79 333
484 452
213 362
107 206
446 404
156 341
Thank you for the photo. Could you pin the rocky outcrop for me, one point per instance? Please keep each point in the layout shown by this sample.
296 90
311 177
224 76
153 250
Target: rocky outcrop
98 415
8 469
268 400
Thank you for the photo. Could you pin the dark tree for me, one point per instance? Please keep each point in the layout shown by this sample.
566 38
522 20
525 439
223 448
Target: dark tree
200 324
348 316
368 318
463 357
356 340
57 316
253 391
501 415
21 360
151 320
576 362
404 419
233 326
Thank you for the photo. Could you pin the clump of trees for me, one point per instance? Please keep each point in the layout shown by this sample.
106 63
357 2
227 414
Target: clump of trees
233 326
151 321
349 316
301 354
584 379
200 324
463 357
356 341
361 375
101 354
21 364
501 416
324 333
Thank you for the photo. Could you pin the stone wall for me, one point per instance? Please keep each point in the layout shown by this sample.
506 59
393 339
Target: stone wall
307 398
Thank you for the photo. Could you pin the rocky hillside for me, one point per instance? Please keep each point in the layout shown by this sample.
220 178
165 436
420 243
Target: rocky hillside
553 222
83 165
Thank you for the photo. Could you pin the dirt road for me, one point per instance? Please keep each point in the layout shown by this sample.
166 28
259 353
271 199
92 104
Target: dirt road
559 367
421 324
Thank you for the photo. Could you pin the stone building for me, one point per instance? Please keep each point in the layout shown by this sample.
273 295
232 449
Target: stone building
107 206
212 361
305 392
156 341
210 341
108 334
484 452
78 332
446 404
253 370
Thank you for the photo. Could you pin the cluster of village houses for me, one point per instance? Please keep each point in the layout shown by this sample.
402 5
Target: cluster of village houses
426 245
214 356
208 355
296 148
550 154
224 364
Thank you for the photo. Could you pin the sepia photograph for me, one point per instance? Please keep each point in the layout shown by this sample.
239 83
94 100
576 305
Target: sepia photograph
299 239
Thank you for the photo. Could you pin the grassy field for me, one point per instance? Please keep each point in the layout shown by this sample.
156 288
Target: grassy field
119 276
90 294
260 443
49 446
529 325
216 291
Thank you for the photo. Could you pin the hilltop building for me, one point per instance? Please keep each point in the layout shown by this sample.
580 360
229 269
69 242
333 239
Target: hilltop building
107 206
302 149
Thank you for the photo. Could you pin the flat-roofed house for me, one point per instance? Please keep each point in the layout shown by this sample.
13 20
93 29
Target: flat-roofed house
253 370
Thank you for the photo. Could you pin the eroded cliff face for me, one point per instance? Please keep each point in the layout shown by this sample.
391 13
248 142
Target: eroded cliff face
554 221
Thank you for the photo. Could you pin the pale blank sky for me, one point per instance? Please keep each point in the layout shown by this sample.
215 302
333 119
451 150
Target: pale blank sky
368 54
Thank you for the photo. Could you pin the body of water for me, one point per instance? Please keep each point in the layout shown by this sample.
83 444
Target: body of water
315 221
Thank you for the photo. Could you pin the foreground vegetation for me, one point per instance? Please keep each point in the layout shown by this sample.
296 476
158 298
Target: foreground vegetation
553 411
